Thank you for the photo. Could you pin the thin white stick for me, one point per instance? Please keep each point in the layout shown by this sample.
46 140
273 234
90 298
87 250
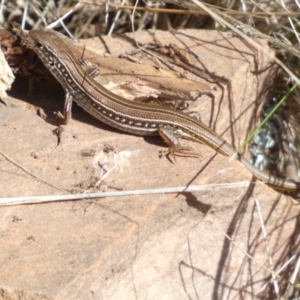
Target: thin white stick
264 287
275 283
24 15
296 271
112 27
240 248
60 20
1 12
181 189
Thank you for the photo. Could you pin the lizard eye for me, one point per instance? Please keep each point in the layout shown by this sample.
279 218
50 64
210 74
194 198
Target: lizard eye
39 45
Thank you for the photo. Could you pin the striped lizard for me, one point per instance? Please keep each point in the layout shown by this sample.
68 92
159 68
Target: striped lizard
136 118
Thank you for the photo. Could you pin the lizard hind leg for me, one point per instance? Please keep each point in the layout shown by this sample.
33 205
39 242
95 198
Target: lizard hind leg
169 135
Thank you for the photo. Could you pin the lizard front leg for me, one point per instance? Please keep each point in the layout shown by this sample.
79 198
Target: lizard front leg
65 117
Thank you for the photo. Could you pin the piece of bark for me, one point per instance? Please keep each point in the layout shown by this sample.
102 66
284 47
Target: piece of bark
129 79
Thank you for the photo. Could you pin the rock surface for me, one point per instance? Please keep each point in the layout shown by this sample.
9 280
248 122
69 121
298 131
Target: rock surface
164 246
